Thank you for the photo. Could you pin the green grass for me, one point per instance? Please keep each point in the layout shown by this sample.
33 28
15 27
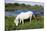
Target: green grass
10 25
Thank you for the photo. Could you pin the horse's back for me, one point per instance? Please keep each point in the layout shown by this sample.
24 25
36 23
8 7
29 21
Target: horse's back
25 15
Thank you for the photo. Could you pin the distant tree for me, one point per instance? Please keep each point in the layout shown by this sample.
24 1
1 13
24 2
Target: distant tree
8 5
23 4
16 4
36 7
28 5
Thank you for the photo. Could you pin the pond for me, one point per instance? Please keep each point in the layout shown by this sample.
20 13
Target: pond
16 12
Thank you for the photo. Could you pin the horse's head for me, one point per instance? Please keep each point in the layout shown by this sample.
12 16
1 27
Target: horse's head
16 22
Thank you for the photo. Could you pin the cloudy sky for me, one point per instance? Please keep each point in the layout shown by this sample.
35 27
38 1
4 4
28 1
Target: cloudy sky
25 2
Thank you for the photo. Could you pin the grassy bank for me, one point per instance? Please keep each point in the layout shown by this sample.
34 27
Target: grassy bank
9 24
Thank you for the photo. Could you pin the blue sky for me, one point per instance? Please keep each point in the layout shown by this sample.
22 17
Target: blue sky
25 2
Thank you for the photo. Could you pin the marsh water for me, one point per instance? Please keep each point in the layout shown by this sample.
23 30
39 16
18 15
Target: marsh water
16 12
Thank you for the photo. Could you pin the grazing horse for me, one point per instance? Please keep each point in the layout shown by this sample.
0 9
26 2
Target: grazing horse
22 16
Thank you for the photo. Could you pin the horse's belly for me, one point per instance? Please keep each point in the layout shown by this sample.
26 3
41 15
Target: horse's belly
25 16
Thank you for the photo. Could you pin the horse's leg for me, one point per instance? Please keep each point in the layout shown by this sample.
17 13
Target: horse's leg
22 21
34 17
30 18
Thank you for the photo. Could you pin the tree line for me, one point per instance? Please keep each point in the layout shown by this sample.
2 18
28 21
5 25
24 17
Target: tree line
17 6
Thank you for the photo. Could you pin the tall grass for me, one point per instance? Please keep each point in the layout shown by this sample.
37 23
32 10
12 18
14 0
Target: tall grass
10 25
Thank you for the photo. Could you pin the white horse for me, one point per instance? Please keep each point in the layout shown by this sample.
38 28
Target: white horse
23 16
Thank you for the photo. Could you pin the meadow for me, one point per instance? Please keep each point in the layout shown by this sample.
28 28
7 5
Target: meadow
10 25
